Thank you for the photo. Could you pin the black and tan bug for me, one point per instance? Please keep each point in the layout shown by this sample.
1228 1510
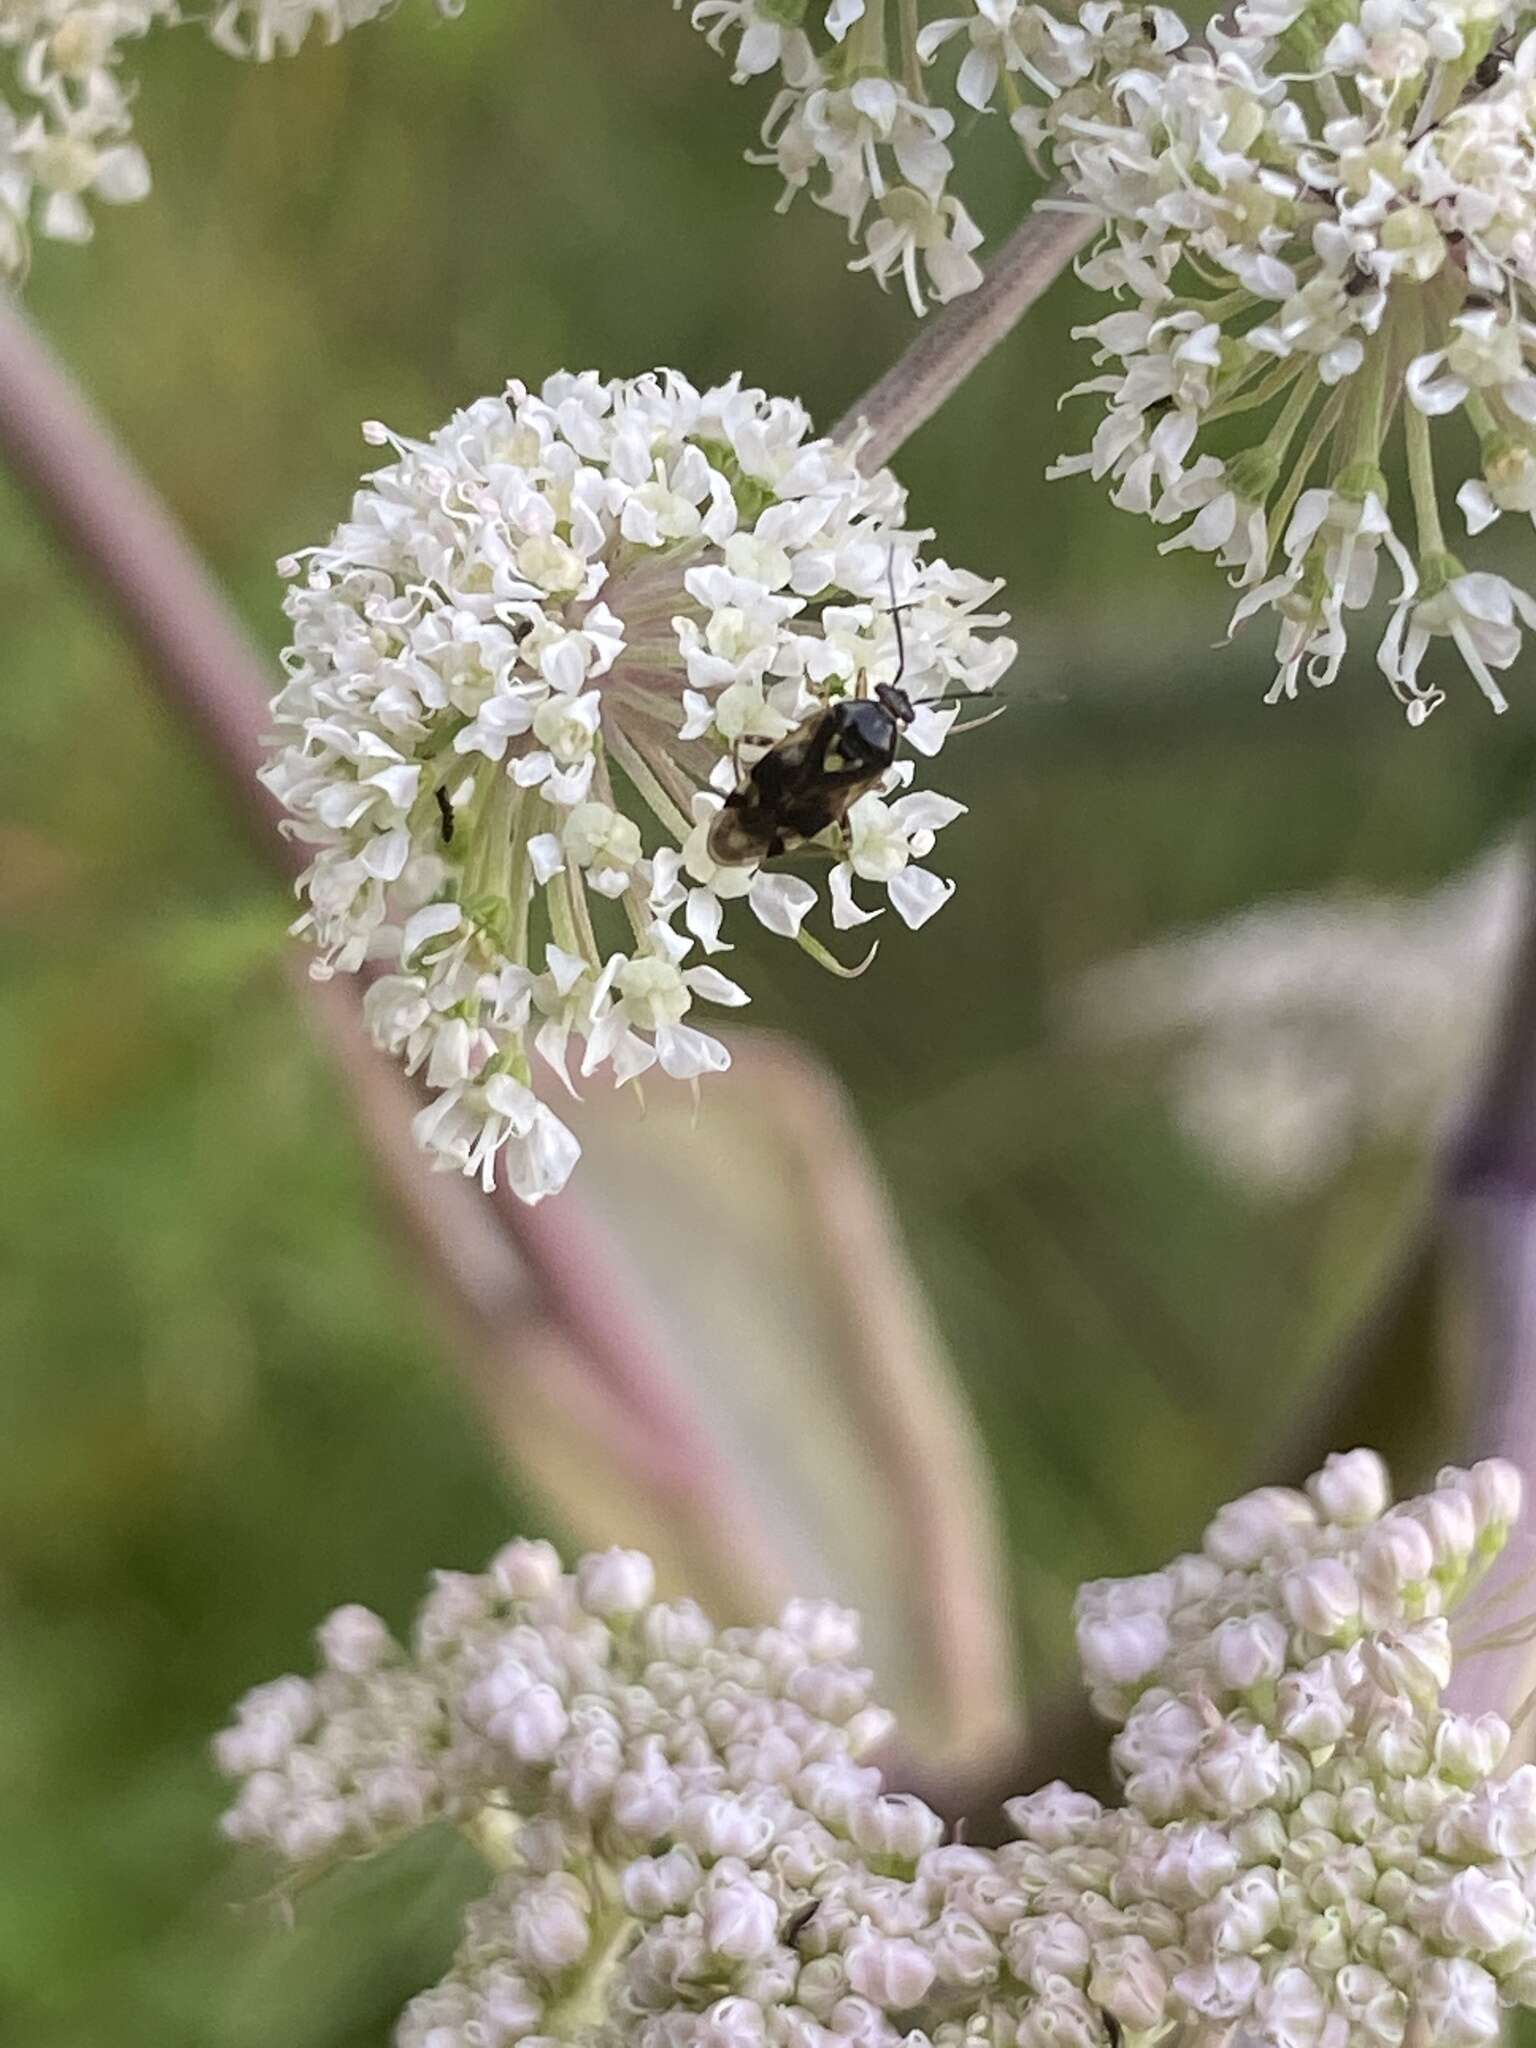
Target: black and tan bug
810 779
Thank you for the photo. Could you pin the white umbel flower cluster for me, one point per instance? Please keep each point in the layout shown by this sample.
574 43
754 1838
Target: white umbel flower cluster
1321 221
1301 1031
528 671
66 108
853 122
691 1852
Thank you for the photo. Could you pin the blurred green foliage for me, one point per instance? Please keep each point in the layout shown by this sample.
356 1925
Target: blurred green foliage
223 1409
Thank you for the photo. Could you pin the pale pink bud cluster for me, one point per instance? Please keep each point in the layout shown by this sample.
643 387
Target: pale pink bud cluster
693 1850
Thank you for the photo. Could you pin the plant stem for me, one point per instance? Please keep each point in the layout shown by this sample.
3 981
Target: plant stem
946 350
198 656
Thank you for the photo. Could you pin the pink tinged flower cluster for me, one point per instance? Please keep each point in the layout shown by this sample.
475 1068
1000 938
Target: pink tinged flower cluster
529 669
690 1848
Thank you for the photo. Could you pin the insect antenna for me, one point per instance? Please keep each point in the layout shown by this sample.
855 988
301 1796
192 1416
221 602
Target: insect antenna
896 612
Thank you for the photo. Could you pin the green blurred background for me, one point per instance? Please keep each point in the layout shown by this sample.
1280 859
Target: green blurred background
224 1406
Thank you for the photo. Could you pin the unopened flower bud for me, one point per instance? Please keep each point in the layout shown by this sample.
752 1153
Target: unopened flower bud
1455 2005
894 1974
1054 1945
827 1632
740 1920
526 1570
897 1825
1482 1913
1352 1488
1122 1649
1249 1650
612 1583
1467 1750
1128 1982
1257 1526
550 1928
354 1641
1323 1597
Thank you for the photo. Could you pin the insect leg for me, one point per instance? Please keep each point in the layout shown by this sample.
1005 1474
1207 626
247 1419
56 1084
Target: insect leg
445 812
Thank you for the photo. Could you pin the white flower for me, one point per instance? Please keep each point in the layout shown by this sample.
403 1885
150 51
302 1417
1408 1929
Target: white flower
1300 1031
853 109
1352 1487
72 139
542 650
1481 613
1320 225
689 1851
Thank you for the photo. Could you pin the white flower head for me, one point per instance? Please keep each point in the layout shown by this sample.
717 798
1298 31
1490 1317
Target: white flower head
687 1849
66 110
1321 225
527 670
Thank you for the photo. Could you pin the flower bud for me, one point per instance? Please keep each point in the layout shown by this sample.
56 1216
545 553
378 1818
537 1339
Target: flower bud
1497 1492
1415 1663
1373 2006
895 1974
550 1928
1451 1525
716 1826
354 1641
827 1632
511 2005
1239 1918
740 1921
1309 1708
1323 1597
1192 1865
526 1570
1128 1982
868 1730
1259 1525
897 1825
1291 2010
832 1692
646 1802
1054 1945
1396 1742
1351 1489
1122 1649
399 1796
964 1954
1249 1650
731 2023
1053 1816
1223 1990
613 1583
1455 2004
1467 1750
1395 1554
1482 1913
1239 1767
653 1886
677 1632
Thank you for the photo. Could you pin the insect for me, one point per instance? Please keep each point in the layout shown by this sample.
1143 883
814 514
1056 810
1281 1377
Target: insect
1492 67
798 1922
445 813
812 777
